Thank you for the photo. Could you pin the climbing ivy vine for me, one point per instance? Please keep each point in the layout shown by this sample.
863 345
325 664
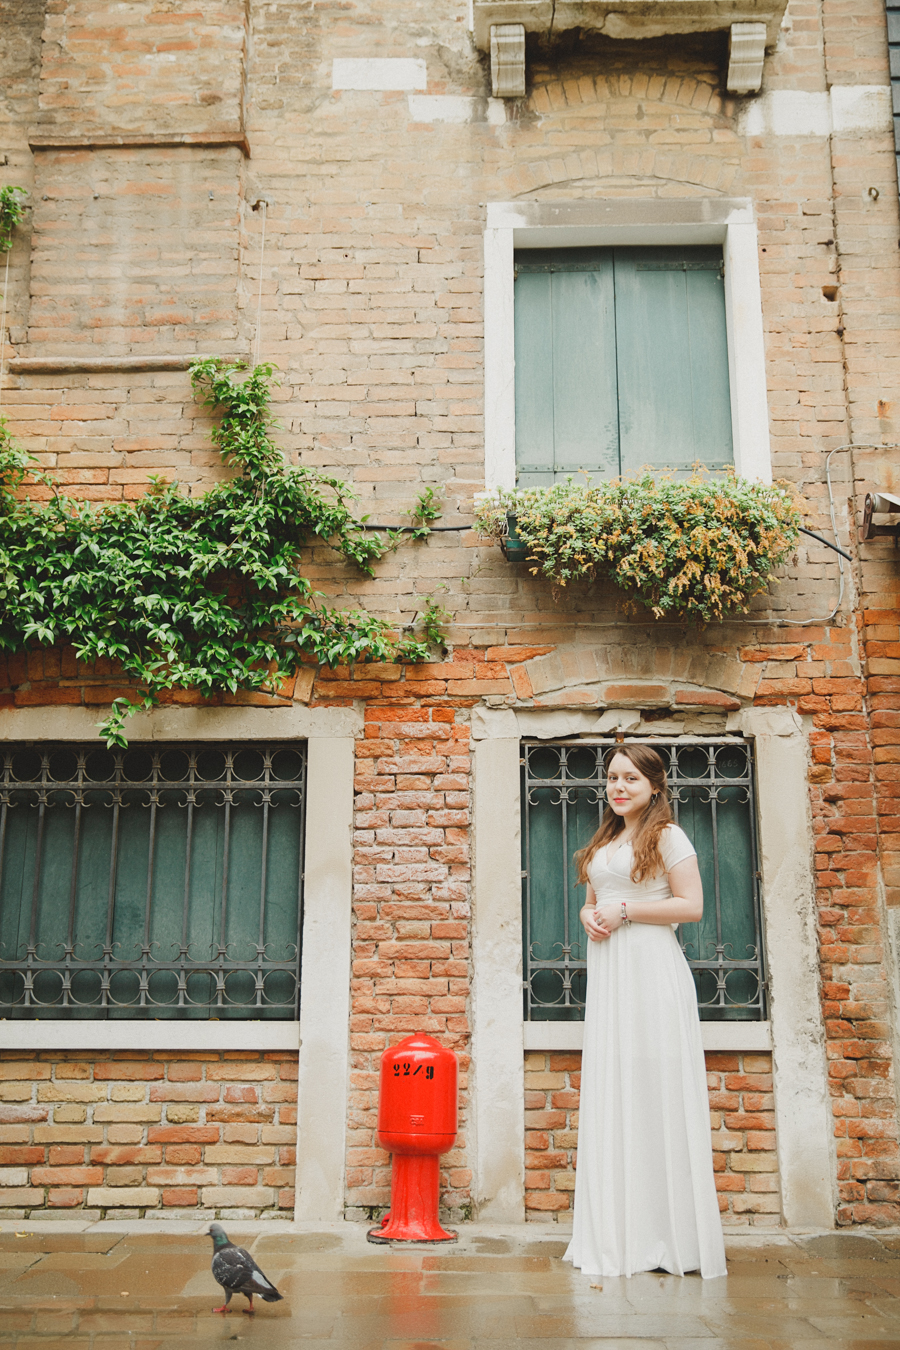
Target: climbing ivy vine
202 592
11 212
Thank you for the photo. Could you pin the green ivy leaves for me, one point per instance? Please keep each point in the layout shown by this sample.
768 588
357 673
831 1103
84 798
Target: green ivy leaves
696 549
199 592
11 212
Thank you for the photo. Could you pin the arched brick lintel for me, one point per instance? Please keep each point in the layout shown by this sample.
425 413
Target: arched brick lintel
639 675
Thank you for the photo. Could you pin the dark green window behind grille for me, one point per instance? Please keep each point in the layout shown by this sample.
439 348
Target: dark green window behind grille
161 881
712 785
621 362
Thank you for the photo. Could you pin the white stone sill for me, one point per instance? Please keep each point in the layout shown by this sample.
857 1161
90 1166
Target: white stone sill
716 1035
98 1034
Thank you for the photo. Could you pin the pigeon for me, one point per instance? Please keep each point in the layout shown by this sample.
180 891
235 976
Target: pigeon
237 1272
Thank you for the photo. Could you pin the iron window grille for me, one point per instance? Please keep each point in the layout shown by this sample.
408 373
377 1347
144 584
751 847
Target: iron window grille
160 881
711 782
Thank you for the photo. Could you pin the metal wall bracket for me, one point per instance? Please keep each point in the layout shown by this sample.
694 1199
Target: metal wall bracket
746 52
508 60
879 503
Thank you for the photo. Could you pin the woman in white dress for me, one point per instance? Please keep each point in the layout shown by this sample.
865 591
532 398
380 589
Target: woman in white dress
645 1198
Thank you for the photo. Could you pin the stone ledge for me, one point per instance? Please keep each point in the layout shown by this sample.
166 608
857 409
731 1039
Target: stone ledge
98 140
706 698
625 19
717 1036
52 365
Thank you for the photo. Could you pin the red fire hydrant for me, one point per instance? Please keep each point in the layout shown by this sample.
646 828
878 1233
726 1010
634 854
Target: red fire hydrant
417 1120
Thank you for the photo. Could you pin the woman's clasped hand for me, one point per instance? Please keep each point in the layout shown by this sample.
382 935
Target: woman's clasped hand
599 921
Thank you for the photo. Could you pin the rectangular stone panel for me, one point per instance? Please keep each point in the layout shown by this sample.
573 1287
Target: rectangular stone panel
135 251
142 67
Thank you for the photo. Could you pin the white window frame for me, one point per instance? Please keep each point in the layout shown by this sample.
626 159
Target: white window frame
322 1033
606 223
794 1032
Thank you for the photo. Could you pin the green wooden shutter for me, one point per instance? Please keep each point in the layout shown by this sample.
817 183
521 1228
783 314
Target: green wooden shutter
621 362
566 414
672 356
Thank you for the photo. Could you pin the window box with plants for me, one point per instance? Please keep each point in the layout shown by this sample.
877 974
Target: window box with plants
692 549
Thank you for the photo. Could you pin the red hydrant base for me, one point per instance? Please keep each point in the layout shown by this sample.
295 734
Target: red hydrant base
413 1215
378 1235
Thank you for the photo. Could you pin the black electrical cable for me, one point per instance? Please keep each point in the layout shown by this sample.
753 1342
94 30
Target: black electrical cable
411 529
827 542
437 529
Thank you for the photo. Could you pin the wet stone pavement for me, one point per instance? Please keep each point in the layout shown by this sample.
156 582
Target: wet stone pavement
126 1286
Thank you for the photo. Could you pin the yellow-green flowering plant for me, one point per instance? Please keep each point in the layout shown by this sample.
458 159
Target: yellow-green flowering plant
697 549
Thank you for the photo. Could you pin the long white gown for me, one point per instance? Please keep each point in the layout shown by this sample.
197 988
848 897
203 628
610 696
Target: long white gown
645 1197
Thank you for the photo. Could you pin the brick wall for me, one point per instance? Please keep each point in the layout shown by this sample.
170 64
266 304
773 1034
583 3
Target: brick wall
742 1116
102 435
142 67
147 247
411 968
372 306
742 1120
134 1133
854 786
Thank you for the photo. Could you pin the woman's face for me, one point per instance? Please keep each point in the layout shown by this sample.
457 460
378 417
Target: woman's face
628 791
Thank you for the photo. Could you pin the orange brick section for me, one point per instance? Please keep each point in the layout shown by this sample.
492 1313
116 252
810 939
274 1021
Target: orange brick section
411 960
552 1089
44 678
741 1118
742 1115
851 795
853 782
129 1133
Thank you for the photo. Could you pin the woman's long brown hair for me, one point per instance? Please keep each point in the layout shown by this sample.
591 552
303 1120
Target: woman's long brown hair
646 857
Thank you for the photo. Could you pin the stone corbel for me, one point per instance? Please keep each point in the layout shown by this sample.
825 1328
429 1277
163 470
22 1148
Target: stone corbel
508 59
747 49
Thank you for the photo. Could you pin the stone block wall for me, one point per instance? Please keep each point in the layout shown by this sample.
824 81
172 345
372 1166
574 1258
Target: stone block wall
136 1133
411 933
742 1120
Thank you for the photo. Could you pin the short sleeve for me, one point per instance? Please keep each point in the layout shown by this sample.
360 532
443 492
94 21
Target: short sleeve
674 847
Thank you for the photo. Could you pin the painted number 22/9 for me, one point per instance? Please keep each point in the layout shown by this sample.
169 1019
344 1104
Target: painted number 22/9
410 1072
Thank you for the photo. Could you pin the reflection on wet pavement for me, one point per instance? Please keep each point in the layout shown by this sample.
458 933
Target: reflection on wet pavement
118 1286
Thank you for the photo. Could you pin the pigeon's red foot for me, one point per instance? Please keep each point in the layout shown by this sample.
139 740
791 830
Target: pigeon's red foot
224 1308
250 1311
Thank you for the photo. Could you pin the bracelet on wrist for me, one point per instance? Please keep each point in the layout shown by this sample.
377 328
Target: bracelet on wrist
625 919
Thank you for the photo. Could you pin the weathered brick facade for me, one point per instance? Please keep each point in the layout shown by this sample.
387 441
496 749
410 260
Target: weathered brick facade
141 245
130 1133
411 947
741 1118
